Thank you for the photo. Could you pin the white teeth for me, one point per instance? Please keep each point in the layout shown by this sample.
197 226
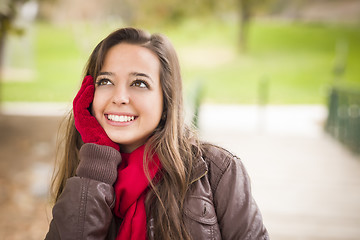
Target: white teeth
117 118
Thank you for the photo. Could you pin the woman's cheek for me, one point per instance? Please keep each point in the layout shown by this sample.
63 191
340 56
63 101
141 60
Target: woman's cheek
97 106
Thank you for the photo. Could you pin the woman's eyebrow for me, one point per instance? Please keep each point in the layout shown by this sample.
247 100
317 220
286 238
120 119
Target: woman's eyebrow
139 74
106 73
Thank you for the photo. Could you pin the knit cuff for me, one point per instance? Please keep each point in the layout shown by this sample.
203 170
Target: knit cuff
99 163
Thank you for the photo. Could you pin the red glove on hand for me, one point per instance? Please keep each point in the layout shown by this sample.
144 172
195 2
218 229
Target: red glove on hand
87 125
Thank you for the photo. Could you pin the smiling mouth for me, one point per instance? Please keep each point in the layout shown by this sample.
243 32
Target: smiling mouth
120 118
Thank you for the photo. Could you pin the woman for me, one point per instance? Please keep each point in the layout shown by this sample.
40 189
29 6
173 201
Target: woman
132 169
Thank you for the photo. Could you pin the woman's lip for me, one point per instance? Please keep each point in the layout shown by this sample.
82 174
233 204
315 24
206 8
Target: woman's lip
120 114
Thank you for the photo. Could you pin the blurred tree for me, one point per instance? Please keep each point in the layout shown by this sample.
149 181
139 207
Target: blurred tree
289 9
159 12
173 11
8 12
245 7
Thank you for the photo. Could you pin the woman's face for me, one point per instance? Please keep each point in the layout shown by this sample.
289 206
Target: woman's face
128 101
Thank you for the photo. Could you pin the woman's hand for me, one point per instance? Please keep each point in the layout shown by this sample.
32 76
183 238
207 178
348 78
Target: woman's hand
86 124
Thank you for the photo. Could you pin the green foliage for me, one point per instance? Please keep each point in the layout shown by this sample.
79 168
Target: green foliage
8 12
297 60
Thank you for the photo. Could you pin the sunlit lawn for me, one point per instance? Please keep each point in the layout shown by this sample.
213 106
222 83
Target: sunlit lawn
295 60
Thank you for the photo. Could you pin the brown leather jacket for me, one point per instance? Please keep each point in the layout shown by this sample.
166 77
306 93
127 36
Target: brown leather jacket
219 204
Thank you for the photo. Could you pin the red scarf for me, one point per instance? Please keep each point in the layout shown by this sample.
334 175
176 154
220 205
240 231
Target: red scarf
130 190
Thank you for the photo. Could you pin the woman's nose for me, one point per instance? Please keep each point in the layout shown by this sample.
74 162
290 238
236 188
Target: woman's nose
121 95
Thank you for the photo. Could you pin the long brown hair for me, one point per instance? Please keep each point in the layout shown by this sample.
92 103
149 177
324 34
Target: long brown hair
173 141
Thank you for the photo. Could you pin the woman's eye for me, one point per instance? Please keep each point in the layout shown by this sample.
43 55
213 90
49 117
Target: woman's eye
140 84
102 82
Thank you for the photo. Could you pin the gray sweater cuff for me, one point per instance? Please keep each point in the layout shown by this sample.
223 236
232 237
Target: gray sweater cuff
99 163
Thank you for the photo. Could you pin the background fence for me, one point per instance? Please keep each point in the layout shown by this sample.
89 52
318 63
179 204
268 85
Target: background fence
344 116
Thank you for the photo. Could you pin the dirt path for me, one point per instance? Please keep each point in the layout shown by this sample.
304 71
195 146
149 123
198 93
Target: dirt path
306 183
27 150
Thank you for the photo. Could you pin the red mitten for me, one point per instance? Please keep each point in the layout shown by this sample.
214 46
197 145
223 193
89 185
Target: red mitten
87 125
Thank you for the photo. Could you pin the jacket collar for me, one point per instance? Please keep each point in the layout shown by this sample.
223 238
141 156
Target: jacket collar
200 169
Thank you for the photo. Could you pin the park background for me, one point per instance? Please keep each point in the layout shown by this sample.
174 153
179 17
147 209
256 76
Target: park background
262 71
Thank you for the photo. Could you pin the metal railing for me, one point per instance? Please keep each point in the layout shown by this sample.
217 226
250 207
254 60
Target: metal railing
343 120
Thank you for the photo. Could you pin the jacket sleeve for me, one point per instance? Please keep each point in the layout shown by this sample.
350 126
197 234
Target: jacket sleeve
237 212
84 209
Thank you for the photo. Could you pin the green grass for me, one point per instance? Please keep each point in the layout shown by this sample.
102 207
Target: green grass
296 60
57 68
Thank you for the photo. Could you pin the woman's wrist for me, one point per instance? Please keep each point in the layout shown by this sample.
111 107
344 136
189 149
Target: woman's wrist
99 163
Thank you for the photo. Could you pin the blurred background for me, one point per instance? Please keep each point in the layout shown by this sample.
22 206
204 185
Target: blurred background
275 81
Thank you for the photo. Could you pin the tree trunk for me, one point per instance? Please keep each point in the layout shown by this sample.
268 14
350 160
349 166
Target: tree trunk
6 19
3 31
245 16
